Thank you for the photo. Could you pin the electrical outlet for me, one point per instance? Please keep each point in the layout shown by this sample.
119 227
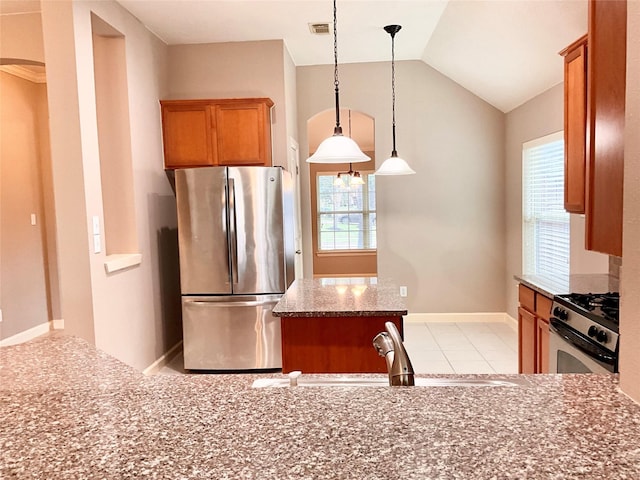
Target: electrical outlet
403 291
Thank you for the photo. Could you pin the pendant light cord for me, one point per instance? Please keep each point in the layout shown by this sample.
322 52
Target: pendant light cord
394 153
338 128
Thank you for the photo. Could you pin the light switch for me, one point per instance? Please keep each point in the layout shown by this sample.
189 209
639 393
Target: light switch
96 225
33 219
97 244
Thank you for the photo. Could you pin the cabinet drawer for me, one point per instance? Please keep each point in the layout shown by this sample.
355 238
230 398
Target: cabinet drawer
527 298
543 307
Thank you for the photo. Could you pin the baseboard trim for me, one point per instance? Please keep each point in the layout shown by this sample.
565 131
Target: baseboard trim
58 324
512 322
461 318
163 360
27 335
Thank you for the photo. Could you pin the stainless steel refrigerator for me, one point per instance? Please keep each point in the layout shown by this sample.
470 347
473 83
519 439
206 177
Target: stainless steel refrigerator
235 231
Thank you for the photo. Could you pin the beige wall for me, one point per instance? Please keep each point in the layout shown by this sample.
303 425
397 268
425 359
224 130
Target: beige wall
234 70
441 231
132 314
538 117
23 248
21 37
630 278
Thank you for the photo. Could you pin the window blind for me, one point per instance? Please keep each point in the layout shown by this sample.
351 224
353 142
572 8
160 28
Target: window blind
545 232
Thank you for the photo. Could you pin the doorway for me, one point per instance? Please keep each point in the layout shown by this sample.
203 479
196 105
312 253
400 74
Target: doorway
29 296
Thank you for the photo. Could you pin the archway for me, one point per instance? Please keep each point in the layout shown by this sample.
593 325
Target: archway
343 204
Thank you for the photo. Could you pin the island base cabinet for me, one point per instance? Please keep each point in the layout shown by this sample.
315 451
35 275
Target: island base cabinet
333 344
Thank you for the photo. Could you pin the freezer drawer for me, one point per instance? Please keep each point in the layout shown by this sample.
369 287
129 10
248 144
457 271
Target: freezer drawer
231 333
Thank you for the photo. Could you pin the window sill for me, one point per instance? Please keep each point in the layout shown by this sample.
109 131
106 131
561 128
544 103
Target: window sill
346 253
115 263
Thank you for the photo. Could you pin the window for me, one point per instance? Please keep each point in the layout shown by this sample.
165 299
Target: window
346 213
545 232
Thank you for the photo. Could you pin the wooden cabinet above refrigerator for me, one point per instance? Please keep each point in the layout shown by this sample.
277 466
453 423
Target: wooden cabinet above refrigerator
228 132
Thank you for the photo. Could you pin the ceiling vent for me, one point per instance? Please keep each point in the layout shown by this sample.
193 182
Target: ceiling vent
319 28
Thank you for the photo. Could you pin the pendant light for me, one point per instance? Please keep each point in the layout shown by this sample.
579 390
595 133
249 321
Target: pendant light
337 148
394 165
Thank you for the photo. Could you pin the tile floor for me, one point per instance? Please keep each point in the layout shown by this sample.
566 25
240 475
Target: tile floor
469 347
445 347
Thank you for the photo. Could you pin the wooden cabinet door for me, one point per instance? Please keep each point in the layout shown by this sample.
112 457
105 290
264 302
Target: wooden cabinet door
187 135
526 341
243 134
542 345
605 130
575 124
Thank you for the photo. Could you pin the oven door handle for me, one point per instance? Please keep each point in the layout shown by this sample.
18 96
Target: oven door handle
580 342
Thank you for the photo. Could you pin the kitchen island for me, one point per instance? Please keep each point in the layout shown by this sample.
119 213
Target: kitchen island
328 324
68 411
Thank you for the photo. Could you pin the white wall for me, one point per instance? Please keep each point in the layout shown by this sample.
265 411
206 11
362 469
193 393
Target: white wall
234 70
630 277
132 314
441 231
538 117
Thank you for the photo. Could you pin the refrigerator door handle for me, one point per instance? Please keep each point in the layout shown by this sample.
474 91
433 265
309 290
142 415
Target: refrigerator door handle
233 221
246 303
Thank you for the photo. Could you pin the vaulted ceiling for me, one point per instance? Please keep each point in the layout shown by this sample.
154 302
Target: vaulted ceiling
504 51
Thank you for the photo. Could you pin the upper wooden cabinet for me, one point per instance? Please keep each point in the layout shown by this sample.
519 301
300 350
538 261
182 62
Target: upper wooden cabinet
595 71
606 81
232 132
575 124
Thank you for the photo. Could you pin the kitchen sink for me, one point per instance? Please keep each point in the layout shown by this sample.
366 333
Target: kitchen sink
353 381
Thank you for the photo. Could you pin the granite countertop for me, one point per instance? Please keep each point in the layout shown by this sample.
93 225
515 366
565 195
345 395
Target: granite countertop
341 297
581 283
69 412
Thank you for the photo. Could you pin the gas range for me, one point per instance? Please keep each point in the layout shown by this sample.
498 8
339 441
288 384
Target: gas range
594 316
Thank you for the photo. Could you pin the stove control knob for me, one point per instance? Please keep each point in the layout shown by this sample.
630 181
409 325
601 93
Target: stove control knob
602 336
561 313
593 331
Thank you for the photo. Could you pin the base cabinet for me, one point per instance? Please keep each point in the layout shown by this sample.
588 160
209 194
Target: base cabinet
534 312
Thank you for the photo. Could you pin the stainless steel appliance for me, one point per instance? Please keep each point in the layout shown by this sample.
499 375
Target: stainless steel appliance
584 335
235 233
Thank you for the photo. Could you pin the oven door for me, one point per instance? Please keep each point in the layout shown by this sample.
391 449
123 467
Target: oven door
570 352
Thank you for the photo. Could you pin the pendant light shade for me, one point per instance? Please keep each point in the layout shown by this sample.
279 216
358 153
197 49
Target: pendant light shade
394 165
337 148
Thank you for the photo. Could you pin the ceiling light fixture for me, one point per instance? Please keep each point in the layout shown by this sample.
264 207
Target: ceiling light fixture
337 148
394 165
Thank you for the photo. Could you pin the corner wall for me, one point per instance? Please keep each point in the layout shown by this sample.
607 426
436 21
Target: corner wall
630 285
132 314
441 231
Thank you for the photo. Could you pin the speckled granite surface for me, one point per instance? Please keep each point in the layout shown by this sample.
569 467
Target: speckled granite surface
583 283
341 297
67 412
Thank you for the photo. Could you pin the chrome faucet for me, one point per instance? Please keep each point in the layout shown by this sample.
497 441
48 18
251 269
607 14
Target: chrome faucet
389 345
